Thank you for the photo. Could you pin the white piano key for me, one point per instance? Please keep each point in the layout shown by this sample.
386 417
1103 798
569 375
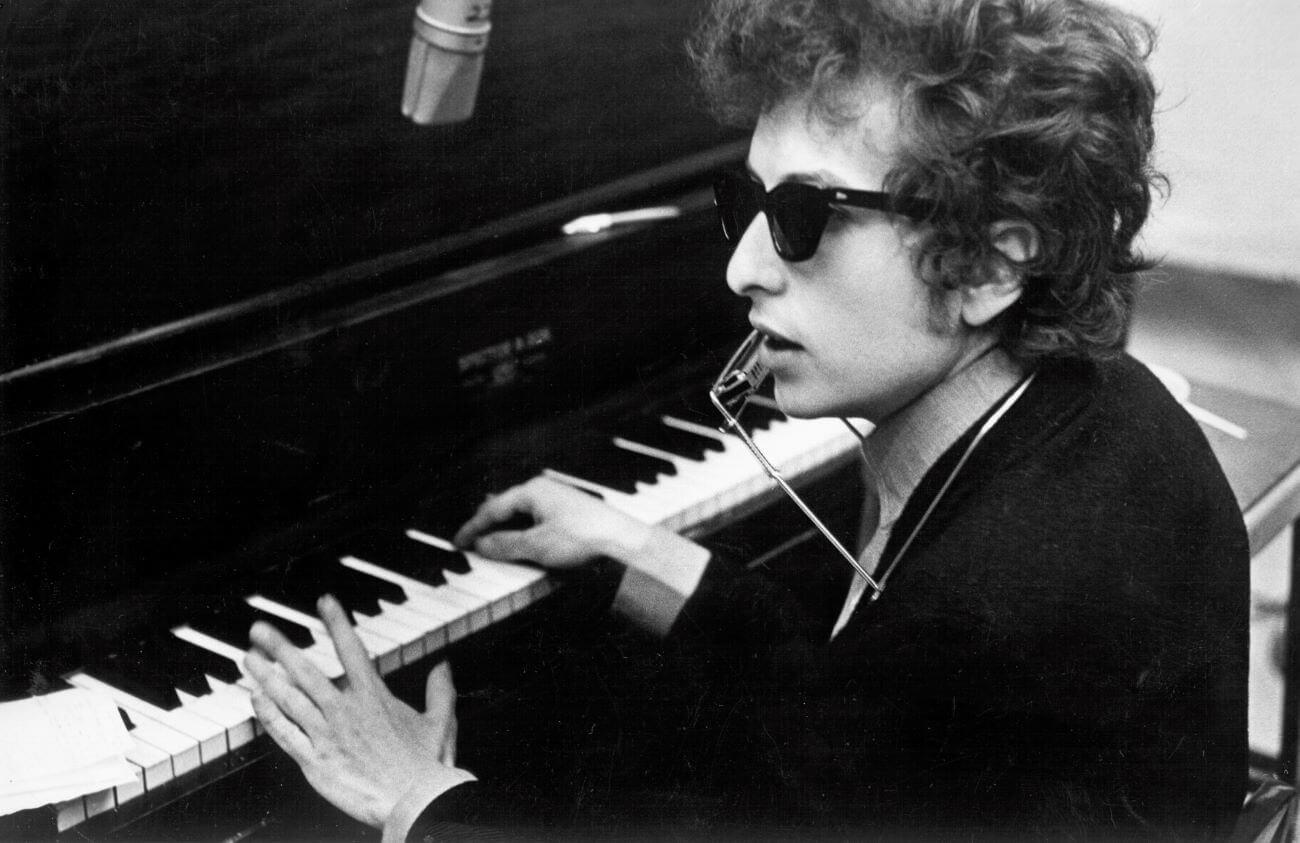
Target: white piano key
389 623
238 724
156 767
467 599
69 813
237 697
494 593
470 611
213 645
525 580
217 646
99 803
697 483
183 750
124 793
484 601
520 578
207 737
458 613
322 651
641 507
426 636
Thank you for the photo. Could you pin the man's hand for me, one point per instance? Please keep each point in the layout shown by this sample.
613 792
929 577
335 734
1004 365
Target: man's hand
359 746
569 528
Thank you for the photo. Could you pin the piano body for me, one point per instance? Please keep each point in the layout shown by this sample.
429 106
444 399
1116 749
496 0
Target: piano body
263 338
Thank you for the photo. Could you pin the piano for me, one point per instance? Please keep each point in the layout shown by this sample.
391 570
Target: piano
265 339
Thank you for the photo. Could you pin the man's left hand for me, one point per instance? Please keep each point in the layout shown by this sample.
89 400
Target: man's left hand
358 745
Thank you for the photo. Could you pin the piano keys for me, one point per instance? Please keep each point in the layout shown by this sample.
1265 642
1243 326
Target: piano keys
243 331
412 594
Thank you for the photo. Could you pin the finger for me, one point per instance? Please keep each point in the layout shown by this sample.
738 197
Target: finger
506 544
440 709
493 511
438 687
449 743
356 661
281 729
439 692
274 684
301 669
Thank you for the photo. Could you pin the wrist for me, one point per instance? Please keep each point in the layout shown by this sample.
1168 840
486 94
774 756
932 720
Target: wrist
630 541
417 797
659 580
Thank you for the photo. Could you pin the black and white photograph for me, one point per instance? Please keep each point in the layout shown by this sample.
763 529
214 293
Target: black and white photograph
649 420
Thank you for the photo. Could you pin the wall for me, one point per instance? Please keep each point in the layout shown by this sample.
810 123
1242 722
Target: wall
1228 130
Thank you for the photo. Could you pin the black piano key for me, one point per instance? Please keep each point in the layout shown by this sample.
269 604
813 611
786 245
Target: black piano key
126 720
391 548
759 415
604 463
422 562
652 432
201 662
231 624
153 668
692 405
441 520
696 406
130 669
300 583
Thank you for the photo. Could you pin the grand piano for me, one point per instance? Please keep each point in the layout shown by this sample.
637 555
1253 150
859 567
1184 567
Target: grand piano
264 338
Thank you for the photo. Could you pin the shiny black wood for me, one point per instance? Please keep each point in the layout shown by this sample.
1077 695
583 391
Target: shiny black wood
245 302
247 309
117 507
164 158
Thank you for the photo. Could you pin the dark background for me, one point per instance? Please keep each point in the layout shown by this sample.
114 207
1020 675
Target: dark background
166 157
237 287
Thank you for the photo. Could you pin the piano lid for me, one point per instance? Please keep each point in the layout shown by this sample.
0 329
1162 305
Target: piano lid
166 159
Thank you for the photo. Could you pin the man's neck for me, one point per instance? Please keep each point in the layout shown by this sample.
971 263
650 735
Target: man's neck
904 446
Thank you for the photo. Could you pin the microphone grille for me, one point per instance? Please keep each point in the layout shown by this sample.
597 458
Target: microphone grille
446 61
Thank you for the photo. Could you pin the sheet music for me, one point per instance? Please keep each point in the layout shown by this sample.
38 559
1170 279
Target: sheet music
59 746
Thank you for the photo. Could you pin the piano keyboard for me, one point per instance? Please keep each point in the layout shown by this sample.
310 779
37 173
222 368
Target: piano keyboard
410 593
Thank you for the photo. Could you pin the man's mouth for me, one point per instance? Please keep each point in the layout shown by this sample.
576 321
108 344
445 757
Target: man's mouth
776 342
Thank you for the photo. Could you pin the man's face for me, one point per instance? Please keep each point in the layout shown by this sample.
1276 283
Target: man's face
852 331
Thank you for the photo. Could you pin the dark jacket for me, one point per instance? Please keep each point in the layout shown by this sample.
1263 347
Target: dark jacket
1061 653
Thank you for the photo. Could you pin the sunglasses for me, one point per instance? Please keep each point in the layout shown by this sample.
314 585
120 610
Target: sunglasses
796 213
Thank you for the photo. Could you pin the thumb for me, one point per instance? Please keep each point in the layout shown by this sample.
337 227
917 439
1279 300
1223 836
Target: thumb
439 691
440 711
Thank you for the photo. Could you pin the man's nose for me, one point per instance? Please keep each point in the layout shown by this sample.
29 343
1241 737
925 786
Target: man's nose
755 267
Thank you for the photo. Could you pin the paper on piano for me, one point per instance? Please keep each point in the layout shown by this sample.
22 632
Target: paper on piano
59 746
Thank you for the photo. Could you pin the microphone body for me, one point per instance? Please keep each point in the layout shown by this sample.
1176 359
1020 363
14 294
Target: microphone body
446 60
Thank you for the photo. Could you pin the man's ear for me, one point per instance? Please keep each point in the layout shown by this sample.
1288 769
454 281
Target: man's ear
1016 243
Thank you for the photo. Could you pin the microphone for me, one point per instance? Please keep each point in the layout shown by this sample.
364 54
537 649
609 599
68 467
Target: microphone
446 60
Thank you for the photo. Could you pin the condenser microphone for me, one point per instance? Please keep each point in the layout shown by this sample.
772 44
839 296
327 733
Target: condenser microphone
446 60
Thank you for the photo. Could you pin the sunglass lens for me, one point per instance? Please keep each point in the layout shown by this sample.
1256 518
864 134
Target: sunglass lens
738 200
797 215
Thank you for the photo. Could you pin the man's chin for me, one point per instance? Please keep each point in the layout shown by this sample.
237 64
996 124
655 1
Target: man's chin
797 404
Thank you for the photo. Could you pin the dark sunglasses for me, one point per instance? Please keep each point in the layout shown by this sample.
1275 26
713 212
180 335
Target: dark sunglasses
796 213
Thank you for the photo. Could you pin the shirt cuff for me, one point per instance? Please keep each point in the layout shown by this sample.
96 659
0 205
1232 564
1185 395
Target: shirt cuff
659 580
416 798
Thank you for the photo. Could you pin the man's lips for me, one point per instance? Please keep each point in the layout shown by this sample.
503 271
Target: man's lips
776 342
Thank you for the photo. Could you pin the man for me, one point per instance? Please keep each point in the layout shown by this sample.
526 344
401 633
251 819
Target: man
935 233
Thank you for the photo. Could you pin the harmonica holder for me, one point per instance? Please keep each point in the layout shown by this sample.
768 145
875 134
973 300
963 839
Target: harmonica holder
740 379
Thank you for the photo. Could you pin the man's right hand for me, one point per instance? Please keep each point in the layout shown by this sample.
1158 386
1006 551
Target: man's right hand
569 528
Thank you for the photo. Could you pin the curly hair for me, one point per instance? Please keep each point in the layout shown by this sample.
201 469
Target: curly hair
1033 110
